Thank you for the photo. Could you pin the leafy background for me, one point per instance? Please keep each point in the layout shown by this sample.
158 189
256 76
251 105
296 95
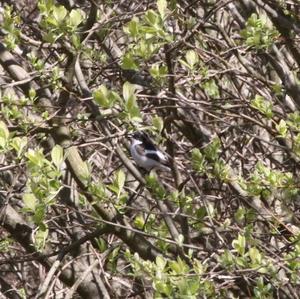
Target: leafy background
216 85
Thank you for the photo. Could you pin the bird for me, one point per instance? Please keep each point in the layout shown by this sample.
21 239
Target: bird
146 154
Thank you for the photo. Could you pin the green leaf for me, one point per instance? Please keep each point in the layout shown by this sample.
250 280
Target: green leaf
18 144
75 38
193 287
184 63
133 110
5 244
30 201
45 6
239 215
113 97
211 88
221 170
198 267
192 58
158 72
162 6
32 94
239 244
227 259
255 256
163 288
257 33
176 267
139 221
160 262
98 189
120 180
59 13
201 213
4 133
49 37
41 237
277 89
158 123
282 128
263 106
101 96
151 18
132 27
118 183
131 107
2 142
145 49
198 160
213 149
102 245
154 185
57 155
128 62
114 188
85 172
128 91
75 17
39 214
35 157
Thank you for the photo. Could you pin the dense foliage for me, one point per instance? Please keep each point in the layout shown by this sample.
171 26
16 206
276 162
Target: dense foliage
216 85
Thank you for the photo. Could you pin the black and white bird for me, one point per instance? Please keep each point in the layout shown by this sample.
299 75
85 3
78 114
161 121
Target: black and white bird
146 154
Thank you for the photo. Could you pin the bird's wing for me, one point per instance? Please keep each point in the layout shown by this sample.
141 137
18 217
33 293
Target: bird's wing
149 143
153 156
163 158
157 155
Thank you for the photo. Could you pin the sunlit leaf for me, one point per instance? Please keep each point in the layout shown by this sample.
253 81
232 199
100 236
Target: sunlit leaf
282 128
161 262
41 237
128 91
101 96
30 201
120 180
57 155
158 123
4 133
191 57
162 6
239 244
59 13
75 17
18 144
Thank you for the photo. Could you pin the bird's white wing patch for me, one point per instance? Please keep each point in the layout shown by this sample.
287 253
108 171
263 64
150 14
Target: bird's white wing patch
160 155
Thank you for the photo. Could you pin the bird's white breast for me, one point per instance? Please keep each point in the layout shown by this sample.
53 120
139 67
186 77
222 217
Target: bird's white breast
145 162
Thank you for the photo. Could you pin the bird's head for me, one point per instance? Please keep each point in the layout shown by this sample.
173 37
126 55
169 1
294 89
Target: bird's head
141 136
